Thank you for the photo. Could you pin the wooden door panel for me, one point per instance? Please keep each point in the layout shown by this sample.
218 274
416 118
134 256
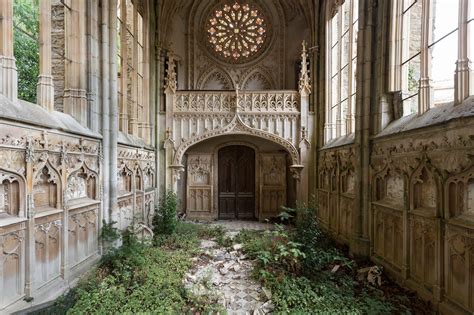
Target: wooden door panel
236 182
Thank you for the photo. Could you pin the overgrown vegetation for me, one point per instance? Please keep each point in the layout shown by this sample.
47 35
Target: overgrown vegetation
166 216
26 47
306 273
137 278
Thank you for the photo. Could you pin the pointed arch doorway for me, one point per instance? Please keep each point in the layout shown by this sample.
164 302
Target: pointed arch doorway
236 182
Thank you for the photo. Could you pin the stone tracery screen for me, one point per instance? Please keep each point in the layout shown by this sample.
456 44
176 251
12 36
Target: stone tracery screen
236 32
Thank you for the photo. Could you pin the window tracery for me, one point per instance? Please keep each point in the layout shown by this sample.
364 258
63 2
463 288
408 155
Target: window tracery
236 32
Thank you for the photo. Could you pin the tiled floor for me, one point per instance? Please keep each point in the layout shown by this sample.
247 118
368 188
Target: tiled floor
226 274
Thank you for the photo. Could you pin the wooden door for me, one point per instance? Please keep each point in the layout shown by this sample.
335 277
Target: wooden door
236 183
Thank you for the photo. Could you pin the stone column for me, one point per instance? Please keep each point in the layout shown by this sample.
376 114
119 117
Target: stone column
170 93
75 94
30 257
8 72
113 104
425 95
463 64
45 87
304 145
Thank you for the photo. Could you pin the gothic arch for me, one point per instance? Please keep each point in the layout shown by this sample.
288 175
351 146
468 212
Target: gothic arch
11 176
237 127
91 178
260 75
218 75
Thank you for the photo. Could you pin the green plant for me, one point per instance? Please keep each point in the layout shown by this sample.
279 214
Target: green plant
109 233
165 219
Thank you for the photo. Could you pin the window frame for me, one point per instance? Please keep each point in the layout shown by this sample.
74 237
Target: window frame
343 108
462 71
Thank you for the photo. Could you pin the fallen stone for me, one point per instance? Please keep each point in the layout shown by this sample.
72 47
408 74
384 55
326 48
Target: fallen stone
335 268
236 268
237 247
207 244
224 271
267 307
267 293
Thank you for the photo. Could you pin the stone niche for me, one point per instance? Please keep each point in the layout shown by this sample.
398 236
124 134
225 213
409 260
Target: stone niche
124 181
82 184
10 194
390 188
46 193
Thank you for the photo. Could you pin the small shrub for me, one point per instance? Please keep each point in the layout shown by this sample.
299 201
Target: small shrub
109 232
166 219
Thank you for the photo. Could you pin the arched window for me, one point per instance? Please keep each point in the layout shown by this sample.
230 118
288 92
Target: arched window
341 63
429 51
132 62
26 46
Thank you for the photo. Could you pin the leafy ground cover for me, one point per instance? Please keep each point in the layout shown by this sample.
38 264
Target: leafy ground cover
308 274
138 278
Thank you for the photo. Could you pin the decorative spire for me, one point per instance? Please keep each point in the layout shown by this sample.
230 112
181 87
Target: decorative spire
305 81
170 79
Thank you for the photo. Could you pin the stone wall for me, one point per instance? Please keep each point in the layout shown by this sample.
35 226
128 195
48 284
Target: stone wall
50 209
400 190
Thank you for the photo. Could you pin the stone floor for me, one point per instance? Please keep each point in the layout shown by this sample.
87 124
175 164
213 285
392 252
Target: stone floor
225 274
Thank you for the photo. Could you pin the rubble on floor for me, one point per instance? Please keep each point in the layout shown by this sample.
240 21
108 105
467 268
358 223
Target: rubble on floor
224 275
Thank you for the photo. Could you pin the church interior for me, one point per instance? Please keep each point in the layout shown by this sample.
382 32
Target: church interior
240 107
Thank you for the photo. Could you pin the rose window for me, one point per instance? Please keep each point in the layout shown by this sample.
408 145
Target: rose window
236 32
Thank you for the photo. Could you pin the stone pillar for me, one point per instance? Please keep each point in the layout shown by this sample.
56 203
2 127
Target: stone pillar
123 116
463 64
170 93
304 145
30 257
425 95
113 106
75 94
8 73
45 87
65 271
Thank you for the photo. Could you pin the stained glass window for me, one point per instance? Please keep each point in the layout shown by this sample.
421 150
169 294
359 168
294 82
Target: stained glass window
236 31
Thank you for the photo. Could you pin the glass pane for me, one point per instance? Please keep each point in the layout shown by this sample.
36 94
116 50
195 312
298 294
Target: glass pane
140 60
410 77
346 18
412 31
471 9
345 50
471 39
354 79
355 30
334 29
343 118
445 17
443 64
335 60
410 105
130 16
140 29
335 90
355 11
353 111
334 119
407 4
345 83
